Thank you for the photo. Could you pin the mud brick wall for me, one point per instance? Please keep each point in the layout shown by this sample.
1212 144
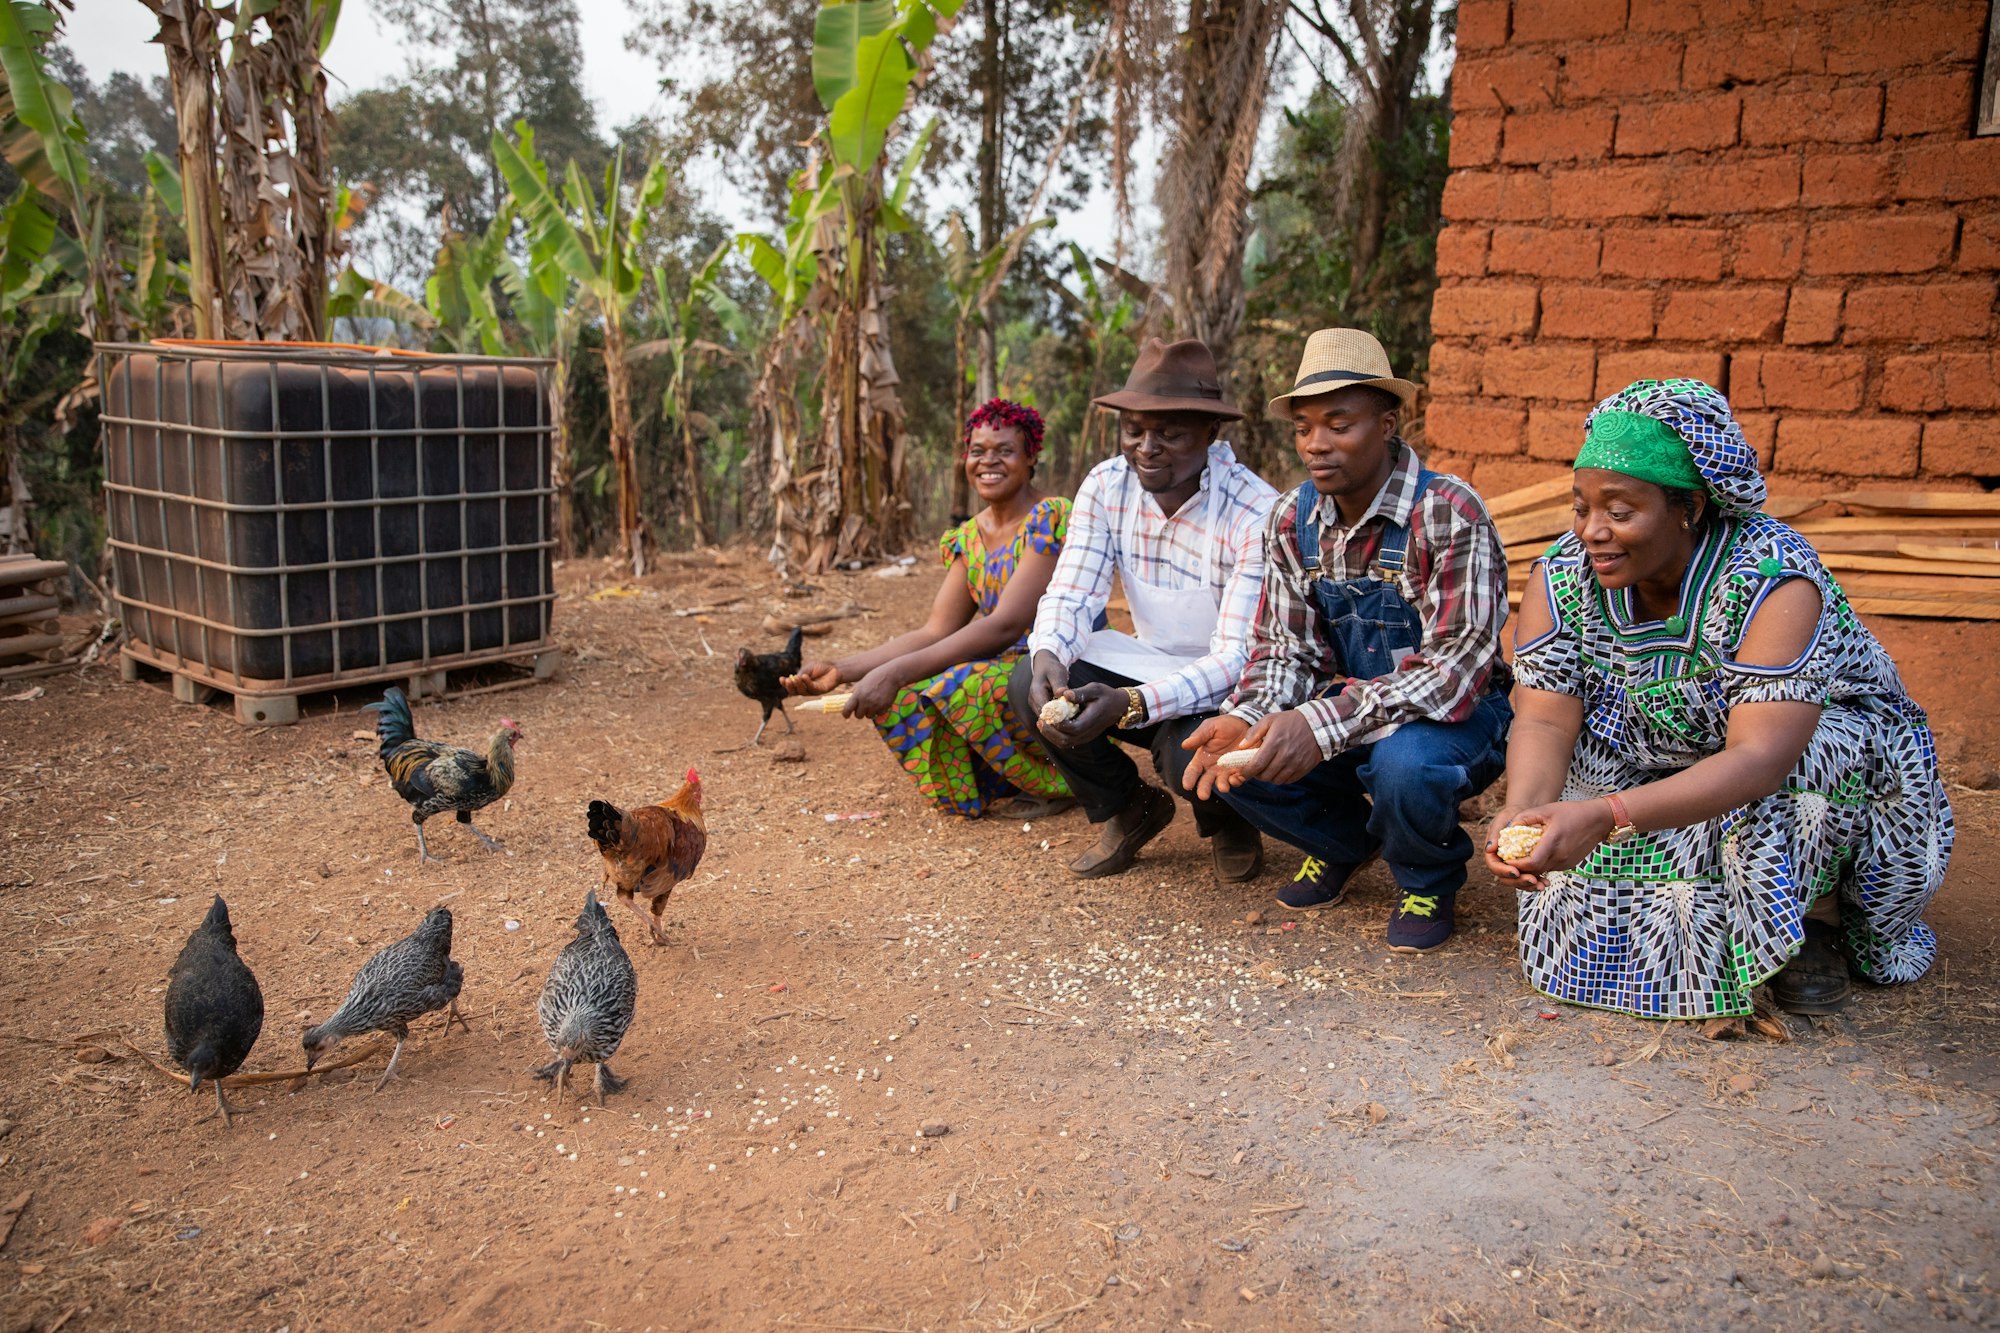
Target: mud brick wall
1781 197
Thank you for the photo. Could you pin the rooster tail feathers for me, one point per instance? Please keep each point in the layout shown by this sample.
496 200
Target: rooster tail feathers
606 825
395 725
795 647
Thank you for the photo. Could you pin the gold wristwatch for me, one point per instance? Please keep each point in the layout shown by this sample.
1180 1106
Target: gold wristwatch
1622 827
1135 711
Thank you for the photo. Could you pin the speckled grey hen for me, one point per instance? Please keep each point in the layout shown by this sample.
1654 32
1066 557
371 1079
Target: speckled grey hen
587 1001
215 1008
412 977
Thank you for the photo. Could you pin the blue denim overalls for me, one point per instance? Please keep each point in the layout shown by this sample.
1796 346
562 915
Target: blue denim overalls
1369 625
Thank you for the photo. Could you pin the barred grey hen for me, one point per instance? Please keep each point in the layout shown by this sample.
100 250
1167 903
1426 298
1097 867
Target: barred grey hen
215 1008
587 1001
408 979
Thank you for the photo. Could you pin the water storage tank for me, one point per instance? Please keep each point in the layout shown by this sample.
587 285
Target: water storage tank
292 517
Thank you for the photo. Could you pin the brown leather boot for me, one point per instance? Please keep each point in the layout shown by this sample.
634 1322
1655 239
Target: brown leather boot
1237 852
1143 819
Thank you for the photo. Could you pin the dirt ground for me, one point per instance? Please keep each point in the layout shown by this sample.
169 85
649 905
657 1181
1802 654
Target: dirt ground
1158 1115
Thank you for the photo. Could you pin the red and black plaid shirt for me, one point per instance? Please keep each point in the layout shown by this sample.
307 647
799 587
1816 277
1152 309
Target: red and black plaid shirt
1454 575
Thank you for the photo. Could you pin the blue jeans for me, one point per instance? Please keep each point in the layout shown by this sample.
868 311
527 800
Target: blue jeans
1399 796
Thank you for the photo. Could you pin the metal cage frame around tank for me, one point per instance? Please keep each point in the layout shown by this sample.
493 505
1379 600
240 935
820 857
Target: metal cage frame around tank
197 660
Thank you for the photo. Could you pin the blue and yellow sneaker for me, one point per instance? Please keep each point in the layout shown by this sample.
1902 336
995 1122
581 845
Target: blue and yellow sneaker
1421 922
1318 884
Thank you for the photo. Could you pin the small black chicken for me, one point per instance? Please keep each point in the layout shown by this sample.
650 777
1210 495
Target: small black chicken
436 778
587 1001
412 977
761 676
215 1008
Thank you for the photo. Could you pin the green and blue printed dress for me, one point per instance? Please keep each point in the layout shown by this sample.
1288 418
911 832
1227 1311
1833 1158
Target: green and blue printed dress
1683 923
955 733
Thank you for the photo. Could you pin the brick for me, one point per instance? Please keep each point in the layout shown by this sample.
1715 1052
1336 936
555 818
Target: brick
1854 446
1837 115
1827 381
1929 104
1461 252
1705 123
1567 20
1760 184
1555 432
1972 380
1965 170
1475 140
1497 476
1568 253
1813 315
1615 370
1495 196
1561 371
1724 314
1594 193
1481 23
1621 72
1861 40
1902 243
1963 447
1770 250
1664 252
1474 428
1685 16
1455 368
1729 59
1849 179
1920 312
1516 80
1913 383
1760 432
1599 313
1979 246
1488 309
1581 134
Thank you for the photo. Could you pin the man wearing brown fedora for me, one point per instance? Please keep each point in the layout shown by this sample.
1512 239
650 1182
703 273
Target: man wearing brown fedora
1375 698
1181 523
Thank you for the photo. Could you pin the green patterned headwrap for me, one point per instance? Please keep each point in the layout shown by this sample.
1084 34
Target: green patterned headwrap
1642 447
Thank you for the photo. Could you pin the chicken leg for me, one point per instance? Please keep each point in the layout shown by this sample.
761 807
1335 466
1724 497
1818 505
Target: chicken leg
608 1082
394 1056
659 920
424 856
555 1071
490 844
451 1015
222 1106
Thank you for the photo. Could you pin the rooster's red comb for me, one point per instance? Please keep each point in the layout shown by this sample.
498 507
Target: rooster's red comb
692 775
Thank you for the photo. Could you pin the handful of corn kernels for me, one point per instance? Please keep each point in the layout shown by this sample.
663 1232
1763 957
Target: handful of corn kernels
1057 710
1517 841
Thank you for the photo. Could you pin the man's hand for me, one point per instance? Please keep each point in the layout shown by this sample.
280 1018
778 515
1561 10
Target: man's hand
875 694
1210 741
1048 677
1101 705
814 678
1286 750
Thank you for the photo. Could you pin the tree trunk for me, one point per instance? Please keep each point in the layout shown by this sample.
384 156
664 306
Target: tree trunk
192 39
624 457
961 485
693 455
561 462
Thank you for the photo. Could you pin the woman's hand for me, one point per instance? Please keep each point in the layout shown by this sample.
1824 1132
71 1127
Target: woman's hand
1506 871
875 693
1571 830
1102 705
1210 741
814 678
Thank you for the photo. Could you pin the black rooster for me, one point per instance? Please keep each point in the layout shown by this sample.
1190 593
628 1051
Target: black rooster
436 778
412 977
587 1001
215 1008
761 676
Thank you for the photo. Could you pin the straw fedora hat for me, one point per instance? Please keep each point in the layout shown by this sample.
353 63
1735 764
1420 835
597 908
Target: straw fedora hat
1173 377
1341 359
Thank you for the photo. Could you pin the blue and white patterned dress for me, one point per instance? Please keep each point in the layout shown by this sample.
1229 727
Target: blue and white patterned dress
1683 923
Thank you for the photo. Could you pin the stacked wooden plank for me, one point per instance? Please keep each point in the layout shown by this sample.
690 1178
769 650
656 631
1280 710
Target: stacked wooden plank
30 641
1895 553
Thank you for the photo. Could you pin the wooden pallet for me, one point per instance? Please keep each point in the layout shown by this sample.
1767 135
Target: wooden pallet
270 704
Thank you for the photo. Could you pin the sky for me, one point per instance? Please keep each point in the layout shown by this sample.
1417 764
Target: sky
108 35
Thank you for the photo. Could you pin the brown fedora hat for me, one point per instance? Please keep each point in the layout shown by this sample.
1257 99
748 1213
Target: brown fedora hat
1341 359
1173 377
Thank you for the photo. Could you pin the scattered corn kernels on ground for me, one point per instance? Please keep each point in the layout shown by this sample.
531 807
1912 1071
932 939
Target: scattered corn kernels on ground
1516 841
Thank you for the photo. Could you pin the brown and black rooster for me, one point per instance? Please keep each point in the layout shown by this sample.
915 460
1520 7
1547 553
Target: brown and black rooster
436 778
650 849
761 676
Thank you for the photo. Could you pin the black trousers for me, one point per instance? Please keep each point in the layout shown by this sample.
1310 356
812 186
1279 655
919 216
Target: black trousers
1100 774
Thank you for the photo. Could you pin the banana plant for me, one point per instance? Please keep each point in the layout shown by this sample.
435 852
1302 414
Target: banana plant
547 318
685 351
459 293
597 245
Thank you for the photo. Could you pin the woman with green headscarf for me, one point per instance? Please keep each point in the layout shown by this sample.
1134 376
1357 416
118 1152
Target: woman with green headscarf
1729 782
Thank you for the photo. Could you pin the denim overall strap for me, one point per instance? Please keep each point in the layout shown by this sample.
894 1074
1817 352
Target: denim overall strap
1369 625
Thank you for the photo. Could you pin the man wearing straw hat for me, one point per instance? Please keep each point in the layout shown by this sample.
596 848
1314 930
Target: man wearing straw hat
1375 698
1181 523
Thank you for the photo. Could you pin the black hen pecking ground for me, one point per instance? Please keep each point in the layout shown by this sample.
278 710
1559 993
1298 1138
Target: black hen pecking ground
761 676
412 977
215 1008
587 1001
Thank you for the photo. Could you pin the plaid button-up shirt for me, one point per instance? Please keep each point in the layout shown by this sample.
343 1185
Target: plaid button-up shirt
1177 551
1454 575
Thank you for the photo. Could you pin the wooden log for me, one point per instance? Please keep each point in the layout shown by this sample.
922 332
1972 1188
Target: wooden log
1534 525
26 604
16 572
1985 554
1920 502
34 623
1540 495
28 645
